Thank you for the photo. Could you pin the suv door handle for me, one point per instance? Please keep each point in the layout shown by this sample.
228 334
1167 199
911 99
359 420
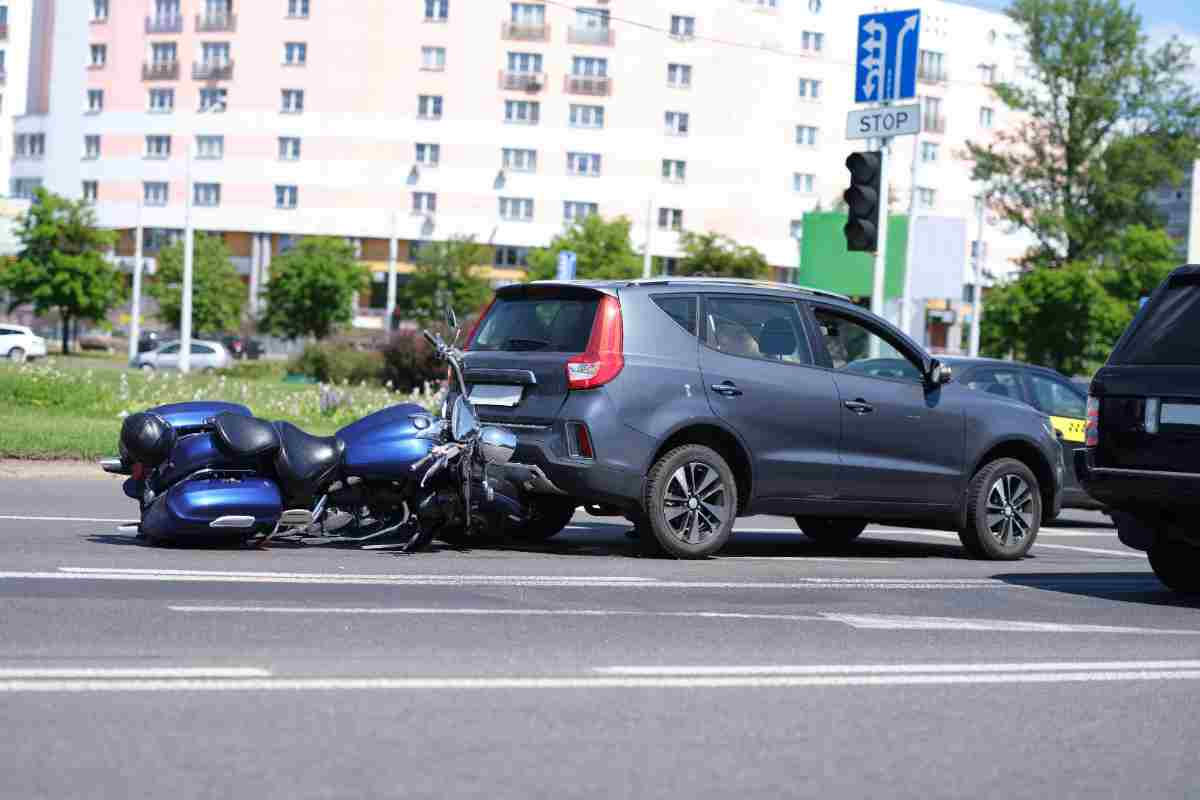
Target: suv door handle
859 406
726 389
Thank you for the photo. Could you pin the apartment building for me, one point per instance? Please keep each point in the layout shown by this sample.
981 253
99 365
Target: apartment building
397 123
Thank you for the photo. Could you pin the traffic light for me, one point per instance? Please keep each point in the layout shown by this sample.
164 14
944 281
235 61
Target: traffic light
863 198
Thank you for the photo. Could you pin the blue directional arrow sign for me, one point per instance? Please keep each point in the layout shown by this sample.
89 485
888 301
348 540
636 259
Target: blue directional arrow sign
886 48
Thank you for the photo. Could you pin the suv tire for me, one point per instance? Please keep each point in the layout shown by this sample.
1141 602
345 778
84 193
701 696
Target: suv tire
1177 565
16 355
550 516
691 501
1004 511
831 531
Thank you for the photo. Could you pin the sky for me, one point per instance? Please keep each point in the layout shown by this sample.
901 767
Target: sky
1162 18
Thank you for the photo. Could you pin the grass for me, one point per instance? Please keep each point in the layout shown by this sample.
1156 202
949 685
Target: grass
50 412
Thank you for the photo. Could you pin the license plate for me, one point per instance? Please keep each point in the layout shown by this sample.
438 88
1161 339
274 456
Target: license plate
1180 414
485 394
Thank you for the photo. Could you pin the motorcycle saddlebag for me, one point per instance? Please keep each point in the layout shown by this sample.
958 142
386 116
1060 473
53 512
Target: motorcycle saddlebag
189 509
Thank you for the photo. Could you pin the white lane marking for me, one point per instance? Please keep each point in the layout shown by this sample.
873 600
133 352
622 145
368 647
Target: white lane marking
809 559
12 518
1039 543
1006 668
132 672
903 623
591 683
492 612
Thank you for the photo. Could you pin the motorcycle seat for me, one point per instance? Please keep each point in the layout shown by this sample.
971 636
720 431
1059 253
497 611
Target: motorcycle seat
245 437
305 462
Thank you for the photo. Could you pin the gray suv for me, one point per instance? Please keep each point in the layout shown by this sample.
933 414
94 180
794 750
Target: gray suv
685 403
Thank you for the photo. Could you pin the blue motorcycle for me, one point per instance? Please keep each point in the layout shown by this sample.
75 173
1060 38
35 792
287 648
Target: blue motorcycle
205 470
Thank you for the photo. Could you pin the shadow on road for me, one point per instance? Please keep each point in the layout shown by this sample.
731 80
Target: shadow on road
1103 523
1125 587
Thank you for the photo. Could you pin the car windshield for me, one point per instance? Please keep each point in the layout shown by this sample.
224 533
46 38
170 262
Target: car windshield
551 324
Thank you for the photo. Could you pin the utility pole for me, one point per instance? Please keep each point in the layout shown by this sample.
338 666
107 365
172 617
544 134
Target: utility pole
135 310
393 254
647 260
977 289
885 156
906 299
189 252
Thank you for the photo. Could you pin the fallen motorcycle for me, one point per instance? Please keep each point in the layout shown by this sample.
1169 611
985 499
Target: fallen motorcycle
201 470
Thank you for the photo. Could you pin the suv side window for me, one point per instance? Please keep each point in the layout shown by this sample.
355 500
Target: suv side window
681 308
755 327
1056 398
995 380
849 345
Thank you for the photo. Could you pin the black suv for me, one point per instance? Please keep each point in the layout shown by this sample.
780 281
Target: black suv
684 403
1143 433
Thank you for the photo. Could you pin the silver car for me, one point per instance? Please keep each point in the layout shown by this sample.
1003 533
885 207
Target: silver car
206 356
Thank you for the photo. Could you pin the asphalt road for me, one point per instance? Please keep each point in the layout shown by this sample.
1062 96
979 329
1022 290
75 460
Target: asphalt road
894 667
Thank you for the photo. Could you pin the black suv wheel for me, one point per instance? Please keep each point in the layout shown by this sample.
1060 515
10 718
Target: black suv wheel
691 501
1004 511
1177 564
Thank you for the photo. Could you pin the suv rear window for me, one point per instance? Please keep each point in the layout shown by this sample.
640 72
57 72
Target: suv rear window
549 324
1167 332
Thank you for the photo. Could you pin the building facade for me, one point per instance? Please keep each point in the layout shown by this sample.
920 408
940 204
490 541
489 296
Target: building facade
397 123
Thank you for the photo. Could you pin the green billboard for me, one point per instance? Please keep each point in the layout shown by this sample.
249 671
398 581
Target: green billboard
825 263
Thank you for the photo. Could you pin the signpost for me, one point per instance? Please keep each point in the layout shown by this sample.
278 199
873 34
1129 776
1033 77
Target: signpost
887 46
566 265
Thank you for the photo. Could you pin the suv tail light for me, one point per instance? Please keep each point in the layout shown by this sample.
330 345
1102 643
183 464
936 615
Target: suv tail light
605 355
1092 431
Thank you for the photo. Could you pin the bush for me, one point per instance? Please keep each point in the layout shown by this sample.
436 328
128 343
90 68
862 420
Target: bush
254 370
339 364
410 363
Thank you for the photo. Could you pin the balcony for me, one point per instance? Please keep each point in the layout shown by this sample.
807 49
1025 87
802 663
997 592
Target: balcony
212 71
522 81
164 24
592 85
216 23
931 124
160 71
4 32
931 75
519 32
590 35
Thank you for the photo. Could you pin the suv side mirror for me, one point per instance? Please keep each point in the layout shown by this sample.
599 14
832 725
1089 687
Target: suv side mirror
939 373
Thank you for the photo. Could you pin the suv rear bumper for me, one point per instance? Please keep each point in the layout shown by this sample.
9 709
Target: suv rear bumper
1132 489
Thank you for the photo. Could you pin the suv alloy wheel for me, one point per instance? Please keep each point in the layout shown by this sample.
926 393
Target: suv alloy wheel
691 501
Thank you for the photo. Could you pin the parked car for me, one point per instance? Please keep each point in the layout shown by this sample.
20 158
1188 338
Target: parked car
96 339
1142 454
1047 390
684 403
18 343
206 356
239 347
149 340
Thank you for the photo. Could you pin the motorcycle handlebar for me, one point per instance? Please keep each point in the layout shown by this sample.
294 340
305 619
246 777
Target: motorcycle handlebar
429 337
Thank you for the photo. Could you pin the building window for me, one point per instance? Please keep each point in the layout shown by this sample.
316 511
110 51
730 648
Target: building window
95 101
164 54
215 54
437 10
429 106
214 100
573 210
520 160
516 208
91 146
424 203
931 66
91 191
210 147
929 152
525 63
812 41
293 101
298 8
522 111
670 219
286 196
528 15
99 55
987 73
986 116
429 155
295 54
679 76
509 256
289 148
587 116
814 6
806 135
926 198
810 89
803 182
207 195
154 193
158 147
162 101
677 123
796 229
933 121
99 10
587 67
24 188
674 171
766 3
583 164
683 27
33 145
433 58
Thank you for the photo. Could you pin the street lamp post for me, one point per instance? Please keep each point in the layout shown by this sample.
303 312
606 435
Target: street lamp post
189 250
135 311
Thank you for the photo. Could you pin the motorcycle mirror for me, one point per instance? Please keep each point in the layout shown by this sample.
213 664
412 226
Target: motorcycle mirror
429 338
451 319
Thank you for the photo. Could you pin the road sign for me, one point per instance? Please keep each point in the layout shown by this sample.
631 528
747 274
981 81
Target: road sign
872 123
886 52
566 265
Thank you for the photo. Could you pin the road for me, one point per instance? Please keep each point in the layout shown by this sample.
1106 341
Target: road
893 667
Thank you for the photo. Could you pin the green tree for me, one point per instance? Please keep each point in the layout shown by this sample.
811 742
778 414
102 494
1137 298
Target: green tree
714 255
312 287
602 247
62 265
446 272
1102 121
1137 262
1062 318
218 295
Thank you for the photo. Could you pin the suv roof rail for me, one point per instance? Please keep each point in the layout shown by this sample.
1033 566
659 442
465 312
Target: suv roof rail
749 282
